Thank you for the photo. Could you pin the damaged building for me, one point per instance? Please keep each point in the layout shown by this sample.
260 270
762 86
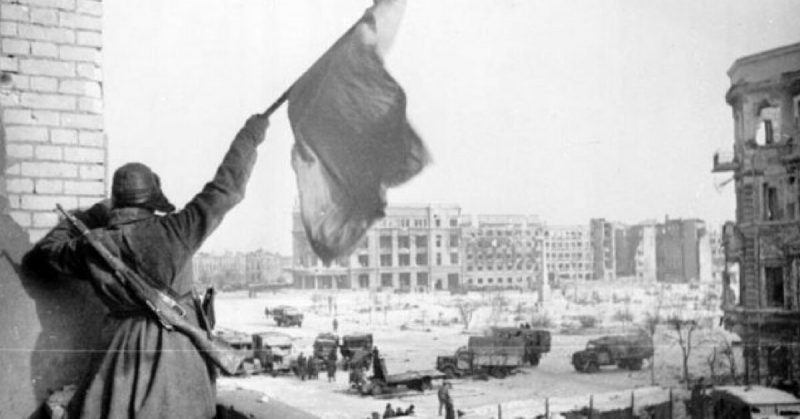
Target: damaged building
764 242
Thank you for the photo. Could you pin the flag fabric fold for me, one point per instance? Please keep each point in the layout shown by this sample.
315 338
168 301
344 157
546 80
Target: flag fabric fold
352 137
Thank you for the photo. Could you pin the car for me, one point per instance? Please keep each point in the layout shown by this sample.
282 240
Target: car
285 316
625 351
753 402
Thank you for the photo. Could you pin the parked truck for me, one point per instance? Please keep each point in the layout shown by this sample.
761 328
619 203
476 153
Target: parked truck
537 341
285 316
495 356
269 352
382 382
356 344
624 351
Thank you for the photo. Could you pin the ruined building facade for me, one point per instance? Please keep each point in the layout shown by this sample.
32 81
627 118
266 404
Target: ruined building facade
764 242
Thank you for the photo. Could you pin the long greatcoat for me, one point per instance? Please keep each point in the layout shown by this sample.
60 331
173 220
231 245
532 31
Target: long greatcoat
148 372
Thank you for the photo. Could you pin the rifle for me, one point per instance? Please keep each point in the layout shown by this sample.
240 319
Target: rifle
166 311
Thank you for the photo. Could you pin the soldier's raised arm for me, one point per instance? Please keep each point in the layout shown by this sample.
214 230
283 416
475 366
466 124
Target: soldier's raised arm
201 216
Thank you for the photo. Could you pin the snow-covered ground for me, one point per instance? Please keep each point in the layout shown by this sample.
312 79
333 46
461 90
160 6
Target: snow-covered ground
419 326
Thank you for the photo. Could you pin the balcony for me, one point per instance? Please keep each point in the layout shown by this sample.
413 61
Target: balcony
725 161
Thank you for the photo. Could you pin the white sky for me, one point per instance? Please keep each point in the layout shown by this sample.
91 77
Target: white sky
566 109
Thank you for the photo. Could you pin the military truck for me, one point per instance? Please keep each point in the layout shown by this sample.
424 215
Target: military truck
624 351
356 344
382 382
537 341
270 352
324 344
495 356
751 402
285 316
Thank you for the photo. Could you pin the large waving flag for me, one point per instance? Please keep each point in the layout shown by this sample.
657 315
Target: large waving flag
352 138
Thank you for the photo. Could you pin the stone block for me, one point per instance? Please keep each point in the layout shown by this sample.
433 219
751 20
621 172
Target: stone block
51 118
46 33
53 4
93 171
19 185
45 219
23 218
92 138
77 120
14 12
18 116
26 133
8 28
64 136
19 151
44 49
90 71
90 105
90 188
44 84
49 170
81 87
80 21
48 17
16 47
49 186
37 67
89 7
89 38
77 53
48 101
84 154
10 64
48 152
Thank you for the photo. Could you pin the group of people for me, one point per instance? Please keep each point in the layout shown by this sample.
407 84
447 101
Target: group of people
393 413
308 367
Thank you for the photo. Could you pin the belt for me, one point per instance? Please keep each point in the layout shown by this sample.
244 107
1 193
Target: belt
143 312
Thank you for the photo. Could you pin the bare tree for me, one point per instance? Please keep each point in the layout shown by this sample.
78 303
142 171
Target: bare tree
466 309
684 328
729 355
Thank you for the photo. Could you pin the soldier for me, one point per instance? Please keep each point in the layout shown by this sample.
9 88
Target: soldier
445 400
148 371
332 366
301 367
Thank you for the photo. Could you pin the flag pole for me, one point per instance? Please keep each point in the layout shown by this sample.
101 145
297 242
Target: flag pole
277 104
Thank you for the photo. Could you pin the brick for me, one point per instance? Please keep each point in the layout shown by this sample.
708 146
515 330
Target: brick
92 138
20 82
54 4
9 99
9 64
47 202
8 28
18 116
23 133
19 151
80 21
14 201
81 87
46 33
16 47
50 118
22 218
90 105
64 136
77 120
19 185
48 152
37 67
89 39
14 169
45 101
94 171
44 84
89 7
15 12
84 154
44 49
49 186
36 234
92 188
48 17
45 219
85 54
89 71
49 169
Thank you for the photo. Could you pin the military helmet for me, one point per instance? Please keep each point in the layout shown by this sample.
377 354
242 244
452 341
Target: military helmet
135 185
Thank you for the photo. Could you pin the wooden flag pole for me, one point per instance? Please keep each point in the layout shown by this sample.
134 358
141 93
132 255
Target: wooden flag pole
277 104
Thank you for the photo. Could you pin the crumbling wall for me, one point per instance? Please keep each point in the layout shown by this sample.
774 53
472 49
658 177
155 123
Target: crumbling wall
52 150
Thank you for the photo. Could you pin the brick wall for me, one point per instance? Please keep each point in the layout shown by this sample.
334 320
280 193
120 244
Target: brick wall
52 150
52 102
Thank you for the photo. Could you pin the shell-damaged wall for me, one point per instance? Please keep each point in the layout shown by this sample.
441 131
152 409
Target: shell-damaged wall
52 150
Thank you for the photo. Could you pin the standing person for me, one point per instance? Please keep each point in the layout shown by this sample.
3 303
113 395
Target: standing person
335 325
449 410
444 398
388 412
148 371
332 366
301 367
312 368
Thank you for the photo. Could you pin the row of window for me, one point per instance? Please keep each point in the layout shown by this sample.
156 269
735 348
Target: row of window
499 281
504 266
420 259
404 242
